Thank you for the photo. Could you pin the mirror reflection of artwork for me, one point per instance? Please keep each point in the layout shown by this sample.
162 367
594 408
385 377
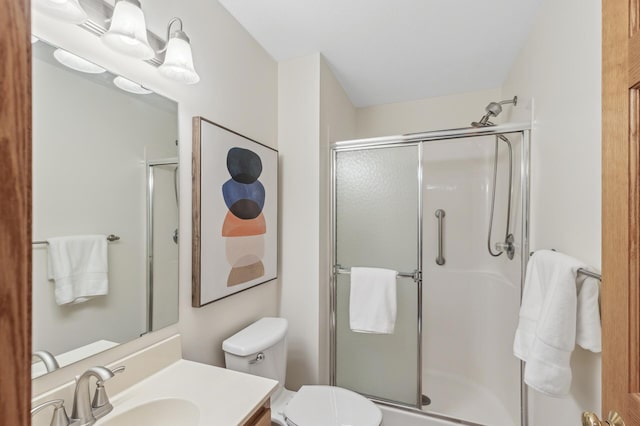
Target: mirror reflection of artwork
235 213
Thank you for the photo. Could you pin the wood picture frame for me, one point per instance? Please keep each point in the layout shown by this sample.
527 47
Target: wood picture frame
234 213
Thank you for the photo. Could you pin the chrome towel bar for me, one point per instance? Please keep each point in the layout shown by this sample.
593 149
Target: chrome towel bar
583 271
110 237
416 275
590 274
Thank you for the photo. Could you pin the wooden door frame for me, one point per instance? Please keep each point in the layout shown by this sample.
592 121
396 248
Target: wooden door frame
620 211
15 212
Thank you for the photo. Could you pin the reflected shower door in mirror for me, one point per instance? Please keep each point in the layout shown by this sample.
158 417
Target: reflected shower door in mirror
93 147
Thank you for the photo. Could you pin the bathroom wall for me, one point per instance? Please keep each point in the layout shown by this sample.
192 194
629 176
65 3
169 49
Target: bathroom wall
337 122
298 141
560 68
444 112
313 111
238 89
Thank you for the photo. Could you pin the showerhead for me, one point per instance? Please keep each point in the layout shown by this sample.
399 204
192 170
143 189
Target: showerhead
493 110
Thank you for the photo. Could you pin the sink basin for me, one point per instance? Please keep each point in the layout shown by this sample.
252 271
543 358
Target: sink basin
158 412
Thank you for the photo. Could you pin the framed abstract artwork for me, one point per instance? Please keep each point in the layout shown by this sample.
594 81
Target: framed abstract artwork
235 212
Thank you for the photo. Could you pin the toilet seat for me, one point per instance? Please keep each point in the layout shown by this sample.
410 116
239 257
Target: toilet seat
331 406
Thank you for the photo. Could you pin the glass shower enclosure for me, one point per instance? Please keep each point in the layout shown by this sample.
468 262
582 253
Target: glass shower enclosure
422 205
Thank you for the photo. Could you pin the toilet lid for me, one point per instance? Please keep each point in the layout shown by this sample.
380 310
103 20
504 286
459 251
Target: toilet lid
331 406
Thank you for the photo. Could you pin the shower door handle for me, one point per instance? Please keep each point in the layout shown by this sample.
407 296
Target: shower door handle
440 215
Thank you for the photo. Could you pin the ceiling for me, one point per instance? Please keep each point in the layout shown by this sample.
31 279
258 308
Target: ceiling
385 51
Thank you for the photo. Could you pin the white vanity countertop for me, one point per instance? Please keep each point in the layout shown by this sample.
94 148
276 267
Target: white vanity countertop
224 397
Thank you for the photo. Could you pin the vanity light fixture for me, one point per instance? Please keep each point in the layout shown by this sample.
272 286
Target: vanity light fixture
76 62
130 86
178 59
128 31
65 10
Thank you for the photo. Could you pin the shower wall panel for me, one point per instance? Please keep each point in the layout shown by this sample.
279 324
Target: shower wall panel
471 303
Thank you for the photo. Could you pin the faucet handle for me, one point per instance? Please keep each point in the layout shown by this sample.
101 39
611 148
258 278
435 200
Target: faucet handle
60 417
100 404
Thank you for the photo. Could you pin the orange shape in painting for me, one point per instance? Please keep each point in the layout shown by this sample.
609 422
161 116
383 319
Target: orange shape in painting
233 226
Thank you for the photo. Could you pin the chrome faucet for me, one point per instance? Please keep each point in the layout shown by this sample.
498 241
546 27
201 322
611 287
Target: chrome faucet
59 418
48 360
83 412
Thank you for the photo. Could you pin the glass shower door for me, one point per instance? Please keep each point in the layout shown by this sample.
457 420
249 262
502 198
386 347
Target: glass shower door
377 194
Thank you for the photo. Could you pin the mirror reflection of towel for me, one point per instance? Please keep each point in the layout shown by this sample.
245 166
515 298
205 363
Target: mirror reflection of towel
78 265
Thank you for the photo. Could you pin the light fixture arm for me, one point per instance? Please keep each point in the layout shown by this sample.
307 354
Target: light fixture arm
178 33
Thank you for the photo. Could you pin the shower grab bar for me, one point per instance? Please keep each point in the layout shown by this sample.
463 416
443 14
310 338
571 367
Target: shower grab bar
110 238
415 275
440 259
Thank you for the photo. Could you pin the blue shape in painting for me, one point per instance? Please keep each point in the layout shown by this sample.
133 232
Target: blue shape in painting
233 192
245 166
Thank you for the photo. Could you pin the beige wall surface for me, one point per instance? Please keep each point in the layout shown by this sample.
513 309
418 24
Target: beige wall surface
560 68
444 112
337 122
313 111
298 140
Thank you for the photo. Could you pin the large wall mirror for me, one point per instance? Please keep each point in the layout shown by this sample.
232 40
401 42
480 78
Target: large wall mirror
104 166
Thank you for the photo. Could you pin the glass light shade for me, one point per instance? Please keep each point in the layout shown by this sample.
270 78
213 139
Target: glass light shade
76 62
128 31
178 62
130 86
65 10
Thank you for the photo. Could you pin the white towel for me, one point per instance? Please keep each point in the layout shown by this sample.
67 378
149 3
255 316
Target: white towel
78 265
559 309
372 304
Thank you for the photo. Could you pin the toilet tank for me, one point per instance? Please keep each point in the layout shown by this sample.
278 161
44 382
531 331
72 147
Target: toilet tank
266 336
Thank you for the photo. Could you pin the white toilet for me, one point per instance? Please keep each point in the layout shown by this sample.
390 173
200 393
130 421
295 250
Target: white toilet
261 349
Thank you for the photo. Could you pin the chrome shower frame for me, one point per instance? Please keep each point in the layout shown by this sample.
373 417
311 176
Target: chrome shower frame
150 219
524 129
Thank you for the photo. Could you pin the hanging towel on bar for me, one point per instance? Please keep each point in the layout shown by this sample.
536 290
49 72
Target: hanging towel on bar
372 304
78 265
559 310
